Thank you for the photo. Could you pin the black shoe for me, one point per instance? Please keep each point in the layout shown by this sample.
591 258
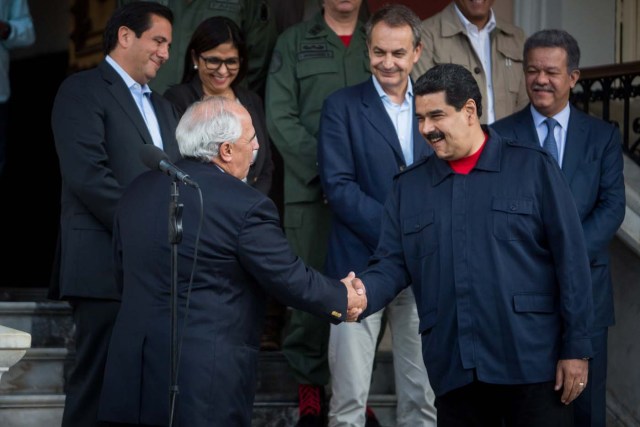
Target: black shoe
311 421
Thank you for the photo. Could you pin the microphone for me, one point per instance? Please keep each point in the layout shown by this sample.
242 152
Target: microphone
156 159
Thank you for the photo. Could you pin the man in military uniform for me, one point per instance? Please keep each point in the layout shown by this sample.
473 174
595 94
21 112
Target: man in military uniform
310 61
252 16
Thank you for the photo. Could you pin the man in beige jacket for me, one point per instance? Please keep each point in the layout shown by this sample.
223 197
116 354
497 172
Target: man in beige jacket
468 33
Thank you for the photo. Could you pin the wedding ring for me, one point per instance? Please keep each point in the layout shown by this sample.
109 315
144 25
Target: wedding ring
581 384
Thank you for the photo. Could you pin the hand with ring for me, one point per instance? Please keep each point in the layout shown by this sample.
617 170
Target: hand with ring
571 377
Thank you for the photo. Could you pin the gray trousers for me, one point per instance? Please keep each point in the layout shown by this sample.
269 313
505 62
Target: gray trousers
352 349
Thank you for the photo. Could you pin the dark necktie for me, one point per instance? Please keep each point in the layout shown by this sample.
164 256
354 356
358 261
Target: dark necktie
550 143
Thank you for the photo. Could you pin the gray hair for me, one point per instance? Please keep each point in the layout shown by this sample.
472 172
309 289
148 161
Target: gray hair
395 15
205 126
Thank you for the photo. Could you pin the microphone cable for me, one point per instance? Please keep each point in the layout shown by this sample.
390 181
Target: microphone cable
186 310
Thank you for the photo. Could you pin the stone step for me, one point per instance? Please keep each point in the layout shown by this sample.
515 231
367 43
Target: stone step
45 410
49 322
32 391
42 371
38 410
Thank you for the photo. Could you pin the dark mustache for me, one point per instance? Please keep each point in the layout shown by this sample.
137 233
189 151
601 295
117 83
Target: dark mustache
542 87
434 136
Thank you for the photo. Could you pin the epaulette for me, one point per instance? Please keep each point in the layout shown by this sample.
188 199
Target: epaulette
520 144
414 165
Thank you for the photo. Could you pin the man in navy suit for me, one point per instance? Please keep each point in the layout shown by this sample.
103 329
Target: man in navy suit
369 133
589 151
100 119
241 256
488 236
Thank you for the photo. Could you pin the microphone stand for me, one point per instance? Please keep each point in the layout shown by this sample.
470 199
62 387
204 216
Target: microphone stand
175 237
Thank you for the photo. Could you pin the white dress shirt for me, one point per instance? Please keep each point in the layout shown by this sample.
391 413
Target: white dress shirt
481 41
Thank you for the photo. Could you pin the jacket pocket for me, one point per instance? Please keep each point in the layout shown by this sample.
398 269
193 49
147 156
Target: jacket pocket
511 53
512 218
427 322
292 219
419 234
534 303
316 66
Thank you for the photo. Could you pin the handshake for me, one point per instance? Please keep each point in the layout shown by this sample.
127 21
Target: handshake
356 296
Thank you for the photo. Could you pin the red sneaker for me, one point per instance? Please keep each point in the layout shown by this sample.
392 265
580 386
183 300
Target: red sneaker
311 407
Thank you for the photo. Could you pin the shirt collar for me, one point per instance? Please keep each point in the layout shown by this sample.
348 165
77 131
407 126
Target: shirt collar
491 25
408 96
126 77
562 117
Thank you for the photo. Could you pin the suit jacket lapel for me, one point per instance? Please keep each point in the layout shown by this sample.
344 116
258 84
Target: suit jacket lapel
167 122
375 113
575 147
123 96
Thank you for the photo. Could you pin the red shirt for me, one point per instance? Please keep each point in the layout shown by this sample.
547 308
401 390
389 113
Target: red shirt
346 39
465 164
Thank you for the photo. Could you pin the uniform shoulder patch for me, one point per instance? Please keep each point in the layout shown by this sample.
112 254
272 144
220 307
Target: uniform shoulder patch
226 5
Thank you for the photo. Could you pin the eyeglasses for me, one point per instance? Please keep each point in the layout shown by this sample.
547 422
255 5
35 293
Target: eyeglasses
214 63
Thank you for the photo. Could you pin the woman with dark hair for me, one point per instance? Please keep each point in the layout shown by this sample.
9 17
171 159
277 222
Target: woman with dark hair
216 64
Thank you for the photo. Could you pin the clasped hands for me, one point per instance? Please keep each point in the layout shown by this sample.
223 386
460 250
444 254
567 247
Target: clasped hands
356 296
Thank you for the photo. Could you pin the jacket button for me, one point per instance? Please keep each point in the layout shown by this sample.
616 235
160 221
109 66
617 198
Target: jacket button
477 70
514 207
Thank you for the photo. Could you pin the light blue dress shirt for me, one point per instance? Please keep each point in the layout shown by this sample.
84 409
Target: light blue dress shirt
560 131
401 116
142 97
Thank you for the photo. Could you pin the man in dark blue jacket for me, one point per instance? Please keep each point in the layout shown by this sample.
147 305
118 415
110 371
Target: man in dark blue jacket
242 255
589 153
487 233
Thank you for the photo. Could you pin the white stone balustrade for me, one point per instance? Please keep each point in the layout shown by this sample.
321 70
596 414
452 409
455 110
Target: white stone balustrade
629 231
13 346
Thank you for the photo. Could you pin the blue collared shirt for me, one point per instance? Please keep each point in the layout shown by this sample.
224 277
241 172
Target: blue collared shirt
142 96
401 116
560 131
